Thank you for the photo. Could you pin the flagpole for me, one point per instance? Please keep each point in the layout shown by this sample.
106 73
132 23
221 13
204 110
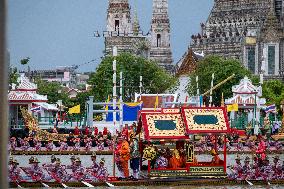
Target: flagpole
114 87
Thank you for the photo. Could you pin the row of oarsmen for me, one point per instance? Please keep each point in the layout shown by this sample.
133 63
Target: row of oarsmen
259 169
55 171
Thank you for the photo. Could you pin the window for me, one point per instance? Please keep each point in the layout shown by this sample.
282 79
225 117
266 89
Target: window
116 25
158 40
251 59
271 59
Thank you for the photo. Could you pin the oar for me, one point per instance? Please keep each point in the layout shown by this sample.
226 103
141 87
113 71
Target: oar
64 185
87 184
45 185
250 183
109 184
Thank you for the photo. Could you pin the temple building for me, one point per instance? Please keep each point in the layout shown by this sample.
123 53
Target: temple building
124 32
248 30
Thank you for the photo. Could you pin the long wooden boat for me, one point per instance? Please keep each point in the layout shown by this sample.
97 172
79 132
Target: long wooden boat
154 182
108 152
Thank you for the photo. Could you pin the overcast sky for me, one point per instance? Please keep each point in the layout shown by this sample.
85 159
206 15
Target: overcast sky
60 32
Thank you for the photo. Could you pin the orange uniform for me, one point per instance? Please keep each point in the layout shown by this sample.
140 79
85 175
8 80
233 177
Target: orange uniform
124 157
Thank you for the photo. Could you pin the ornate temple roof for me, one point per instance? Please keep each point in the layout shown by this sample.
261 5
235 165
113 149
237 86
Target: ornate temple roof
188 64
245 86
25 92
245 93
25 84
26 96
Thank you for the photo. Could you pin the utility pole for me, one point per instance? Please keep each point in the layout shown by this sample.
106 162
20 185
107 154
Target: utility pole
114 85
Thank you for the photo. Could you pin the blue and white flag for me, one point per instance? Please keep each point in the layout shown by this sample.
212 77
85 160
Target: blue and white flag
270 108
36 109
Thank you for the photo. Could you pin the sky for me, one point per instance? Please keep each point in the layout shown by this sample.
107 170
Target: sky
61 32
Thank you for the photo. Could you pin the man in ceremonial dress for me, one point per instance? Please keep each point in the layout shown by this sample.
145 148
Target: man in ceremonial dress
94 168
102 174
161 162
58 172
266 170
72 166
14 171
276 168
237 169
52 162
79 174
247 169
135 156
49 146
35 171
124 152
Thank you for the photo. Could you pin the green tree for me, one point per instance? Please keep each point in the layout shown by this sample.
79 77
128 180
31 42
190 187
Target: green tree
222 69
273 91
25 61
54 92
13 76
155 79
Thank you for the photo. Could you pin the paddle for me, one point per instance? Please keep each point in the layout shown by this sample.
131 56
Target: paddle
109 184
250 183
87 184
45 185
64 185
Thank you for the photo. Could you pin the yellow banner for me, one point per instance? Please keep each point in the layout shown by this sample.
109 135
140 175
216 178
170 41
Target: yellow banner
233 107
156 102
74 110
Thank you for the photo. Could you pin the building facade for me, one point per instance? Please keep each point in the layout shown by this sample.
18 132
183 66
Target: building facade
248 30
124 32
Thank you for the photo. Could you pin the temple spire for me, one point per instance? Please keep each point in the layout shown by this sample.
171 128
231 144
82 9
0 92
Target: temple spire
136 25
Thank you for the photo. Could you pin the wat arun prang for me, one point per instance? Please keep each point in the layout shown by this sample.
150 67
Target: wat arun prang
246 30
125 33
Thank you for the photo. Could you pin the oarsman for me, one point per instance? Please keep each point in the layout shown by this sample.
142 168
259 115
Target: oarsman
266 170
135 156
25 144
72 166
77 145
49 146
63 145
15 172
37 144
276 168
102 171
237 169
58 172
100 144
79 174
52 162
88 142
13 143
110 144
247 169
95 165
35 171
162 162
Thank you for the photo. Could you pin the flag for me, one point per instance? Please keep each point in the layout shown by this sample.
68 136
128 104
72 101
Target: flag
108 99
233 107
270 108
74 110
156 102
36 109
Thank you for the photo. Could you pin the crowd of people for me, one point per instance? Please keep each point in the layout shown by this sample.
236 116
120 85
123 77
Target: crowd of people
257 169
55 171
